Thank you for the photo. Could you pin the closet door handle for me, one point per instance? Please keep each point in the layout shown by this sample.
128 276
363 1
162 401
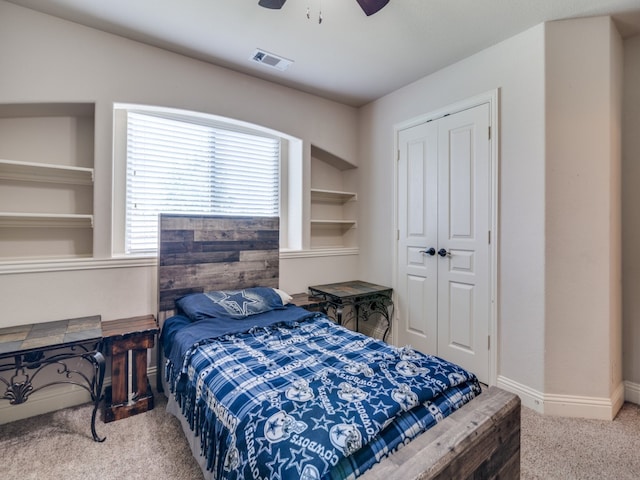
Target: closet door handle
443 253
431 251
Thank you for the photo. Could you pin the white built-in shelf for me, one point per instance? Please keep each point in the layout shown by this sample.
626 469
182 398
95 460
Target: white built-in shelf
47 220
331 196
331 159
42 172
334 224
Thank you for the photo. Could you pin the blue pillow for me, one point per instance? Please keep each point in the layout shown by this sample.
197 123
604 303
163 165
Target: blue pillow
230 303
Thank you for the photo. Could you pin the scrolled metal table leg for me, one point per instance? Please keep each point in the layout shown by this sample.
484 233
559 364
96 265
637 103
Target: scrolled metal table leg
339 309
99 366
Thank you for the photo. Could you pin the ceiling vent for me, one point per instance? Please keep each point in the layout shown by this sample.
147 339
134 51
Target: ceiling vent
270 60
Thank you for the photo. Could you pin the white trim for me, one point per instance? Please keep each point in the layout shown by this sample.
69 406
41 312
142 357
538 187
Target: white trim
599 408
318 252
491 97
632 392
529 397
59 265
69 264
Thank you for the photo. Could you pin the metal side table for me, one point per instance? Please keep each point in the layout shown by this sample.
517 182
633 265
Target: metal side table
368 301
52 353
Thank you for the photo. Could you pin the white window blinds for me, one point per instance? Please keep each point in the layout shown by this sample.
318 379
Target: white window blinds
175 166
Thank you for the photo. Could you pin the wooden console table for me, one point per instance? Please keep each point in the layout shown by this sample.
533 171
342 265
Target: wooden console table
135 335
29 350
367 301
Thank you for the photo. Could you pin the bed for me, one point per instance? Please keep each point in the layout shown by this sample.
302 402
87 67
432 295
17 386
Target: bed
265 389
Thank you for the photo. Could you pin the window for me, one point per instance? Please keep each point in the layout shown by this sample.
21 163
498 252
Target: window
177 164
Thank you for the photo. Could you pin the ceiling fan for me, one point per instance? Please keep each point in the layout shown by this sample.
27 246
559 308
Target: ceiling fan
368 6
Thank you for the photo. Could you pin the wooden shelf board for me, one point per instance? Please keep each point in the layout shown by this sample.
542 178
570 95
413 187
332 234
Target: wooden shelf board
331 159
44 172
318 194
334 224
48 220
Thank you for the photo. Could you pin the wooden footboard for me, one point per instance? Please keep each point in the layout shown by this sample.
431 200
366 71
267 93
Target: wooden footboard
481 440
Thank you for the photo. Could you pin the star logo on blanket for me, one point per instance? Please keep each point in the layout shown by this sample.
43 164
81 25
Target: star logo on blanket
281 426
237 302
456 378
322 423
345 437
380 407
299 457
276 466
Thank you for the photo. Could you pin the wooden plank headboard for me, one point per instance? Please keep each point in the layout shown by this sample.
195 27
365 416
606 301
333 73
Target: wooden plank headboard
200 253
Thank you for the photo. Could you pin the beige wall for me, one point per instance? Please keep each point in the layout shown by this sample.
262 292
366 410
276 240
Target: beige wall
630 215
516 67
559 291
583 289
44 59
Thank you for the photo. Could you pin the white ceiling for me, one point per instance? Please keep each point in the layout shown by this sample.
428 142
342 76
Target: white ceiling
349 57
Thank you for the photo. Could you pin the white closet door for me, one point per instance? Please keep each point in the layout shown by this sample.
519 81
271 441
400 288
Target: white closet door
444 300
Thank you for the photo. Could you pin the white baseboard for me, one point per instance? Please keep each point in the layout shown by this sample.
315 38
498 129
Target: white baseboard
632 392
529 397
600 408
54 398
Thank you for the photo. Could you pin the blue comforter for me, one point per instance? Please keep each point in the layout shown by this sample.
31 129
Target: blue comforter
302 397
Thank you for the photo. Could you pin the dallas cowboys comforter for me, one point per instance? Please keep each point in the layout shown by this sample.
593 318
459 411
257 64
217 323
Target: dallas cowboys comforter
289 394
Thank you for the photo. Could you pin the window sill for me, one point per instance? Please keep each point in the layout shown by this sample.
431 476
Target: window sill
319 252
17 266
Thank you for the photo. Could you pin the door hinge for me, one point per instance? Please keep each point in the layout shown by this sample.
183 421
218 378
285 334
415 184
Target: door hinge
397 234
397 155
489 133
489 237
488 342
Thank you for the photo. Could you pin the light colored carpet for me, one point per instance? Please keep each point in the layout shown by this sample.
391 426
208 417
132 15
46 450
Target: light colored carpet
555 448
152 446
59 445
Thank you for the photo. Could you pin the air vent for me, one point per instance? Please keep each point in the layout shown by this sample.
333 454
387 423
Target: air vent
270 60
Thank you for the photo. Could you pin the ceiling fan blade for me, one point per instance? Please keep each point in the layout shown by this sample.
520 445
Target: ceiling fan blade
275 4
372 6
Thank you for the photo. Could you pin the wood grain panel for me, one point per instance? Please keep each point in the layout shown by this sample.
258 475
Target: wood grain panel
208 252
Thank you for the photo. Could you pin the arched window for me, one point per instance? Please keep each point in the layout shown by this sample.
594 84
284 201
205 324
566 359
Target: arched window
185 162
